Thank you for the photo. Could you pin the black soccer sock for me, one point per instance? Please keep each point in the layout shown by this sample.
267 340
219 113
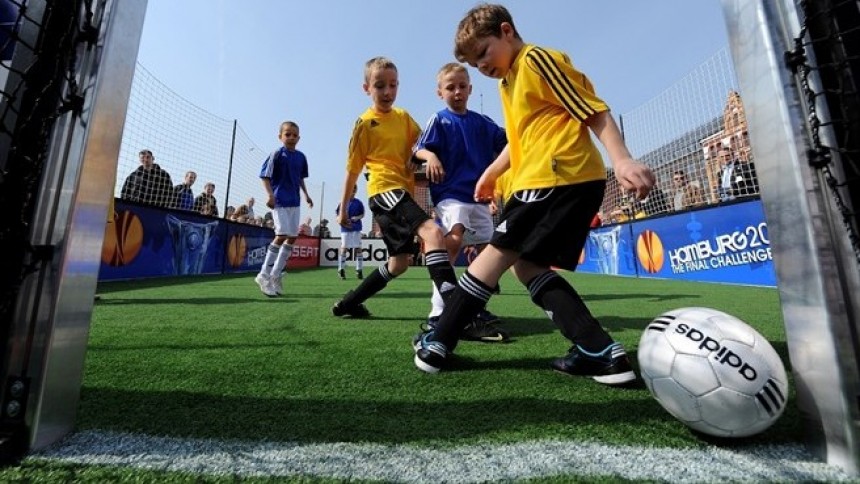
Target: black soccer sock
568 311
372 284
441 272
464 302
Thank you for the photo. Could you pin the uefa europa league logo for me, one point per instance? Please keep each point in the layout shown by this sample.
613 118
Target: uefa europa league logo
190 241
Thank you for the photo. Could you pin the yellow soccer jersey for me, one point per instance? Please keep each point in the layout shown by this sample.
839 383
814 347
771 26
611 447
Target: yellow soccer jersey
383 142
546 101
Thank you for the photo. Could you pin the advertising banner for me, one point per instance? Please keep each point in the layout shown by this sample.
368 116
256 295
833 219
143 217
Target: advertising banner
721 244
609 250
151 242
373 252
247 246
148 241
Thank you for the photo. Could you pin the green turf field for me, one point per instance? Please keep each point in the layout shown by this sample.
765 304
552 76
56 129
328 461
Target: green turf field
212 358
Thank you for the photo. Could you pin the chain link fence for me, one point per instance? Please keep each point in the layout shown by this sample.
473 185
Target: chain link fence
694 137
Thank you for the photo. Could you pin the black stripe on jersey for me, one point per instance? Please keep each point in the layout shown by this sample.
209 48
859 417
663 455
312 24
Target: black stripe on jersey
560 84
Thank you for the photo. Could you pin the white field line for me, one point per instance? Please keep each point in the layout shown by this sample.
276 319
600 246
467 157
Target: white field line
477 463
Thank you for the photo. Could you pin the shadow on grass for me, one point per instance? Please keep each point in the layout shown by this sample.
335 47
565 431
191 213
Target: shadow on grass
329 420
204 301
653 297
303 420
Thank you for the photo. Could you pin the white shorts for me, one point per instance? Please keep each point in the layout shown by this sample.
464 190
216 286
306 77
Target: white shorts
286 221
475 218
350 240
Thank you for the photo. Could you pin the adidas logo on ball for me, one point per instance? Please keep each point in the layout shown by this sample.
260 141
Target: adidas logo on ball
723 355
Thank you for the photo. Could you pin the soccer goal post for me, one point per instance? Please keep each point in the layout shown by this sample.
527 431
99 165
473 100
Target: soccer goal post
798 73
66 70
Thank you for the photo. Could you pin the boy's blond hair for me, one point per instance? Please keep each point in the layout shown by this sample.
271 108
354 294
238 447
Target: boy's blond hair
377 63
484 20
449 68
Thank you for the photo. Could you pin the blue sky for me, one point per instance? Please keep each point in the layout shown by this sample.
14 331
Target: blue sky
265 61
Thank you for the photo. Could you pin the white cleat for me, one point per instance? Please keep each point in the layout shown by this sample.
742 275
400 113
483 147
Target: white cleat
265 283
277 285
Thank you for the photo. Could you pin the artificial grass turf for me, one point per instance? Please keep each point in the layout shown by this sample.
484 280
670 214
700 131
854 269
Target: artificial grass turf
211 357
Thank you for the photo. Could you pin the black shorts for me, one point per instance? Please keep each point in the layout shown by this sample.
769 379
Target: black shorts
398 217
549 226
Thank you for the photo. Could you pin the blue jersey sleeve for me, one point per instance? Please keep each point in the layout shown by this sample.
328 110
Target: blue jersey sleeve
432 139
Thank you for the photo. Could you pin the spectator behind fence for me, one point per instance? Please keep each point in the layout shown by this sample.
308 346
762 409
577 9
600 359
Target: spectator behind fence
228 212
655 203
250 204
322 231
305 227
183 196
207 198
208 208
737 178
149 183
685 194
241 215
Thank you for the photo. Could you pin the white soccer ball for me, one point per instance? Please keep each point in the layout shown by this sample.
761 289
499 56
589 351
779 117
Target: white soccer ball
713 372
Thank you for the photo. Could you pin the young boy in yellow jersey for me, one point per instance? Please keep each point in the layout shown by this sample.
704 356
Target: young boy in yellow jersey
381 142
556 186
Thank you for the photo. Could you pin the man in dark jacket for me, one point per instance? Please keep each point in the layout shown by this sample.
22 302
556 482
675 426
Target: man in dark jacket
182 194
148 183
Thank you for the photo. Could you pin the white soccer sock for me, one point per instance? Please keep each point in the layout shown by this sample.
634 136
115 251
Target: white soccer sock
341 258
359 260
271 255
281 261
437 302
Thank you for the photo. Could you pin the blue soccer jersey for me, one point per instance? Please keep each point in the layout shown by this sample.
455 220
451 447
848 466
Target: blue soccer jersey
466 144
354 209
285 170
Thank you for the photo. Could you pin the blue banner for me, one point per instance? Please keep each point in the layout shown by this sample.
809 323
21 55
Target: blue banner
727 244
246 247
609 250
152 242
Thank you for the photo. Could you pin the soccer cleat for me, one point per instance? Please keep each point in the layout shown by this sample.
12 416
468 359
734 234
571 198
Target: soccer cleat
610 367
431 323
265 283
478 330
487 317
278 284
359 274
357 312
429 355
342 274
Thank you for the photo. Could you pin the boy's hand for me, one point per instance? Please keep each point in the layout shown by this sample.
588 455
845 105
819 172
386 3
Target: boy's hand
270 202
435 170
309 201
635 177
485 189
343 220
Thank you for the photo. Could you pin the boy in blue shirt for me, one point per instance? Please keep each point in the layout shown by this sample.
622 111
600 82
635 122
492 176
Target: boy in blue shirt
283 175
350 236
458 145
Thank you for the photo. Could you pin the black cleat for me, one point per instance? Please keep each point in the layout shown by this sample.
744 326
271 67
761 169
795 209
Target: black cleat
342 274
356 312
478 330
359 274
610 367
487 317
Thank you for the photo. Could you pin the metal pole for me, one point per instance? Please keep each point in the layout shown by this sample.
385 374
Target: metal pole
322 200
230 170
